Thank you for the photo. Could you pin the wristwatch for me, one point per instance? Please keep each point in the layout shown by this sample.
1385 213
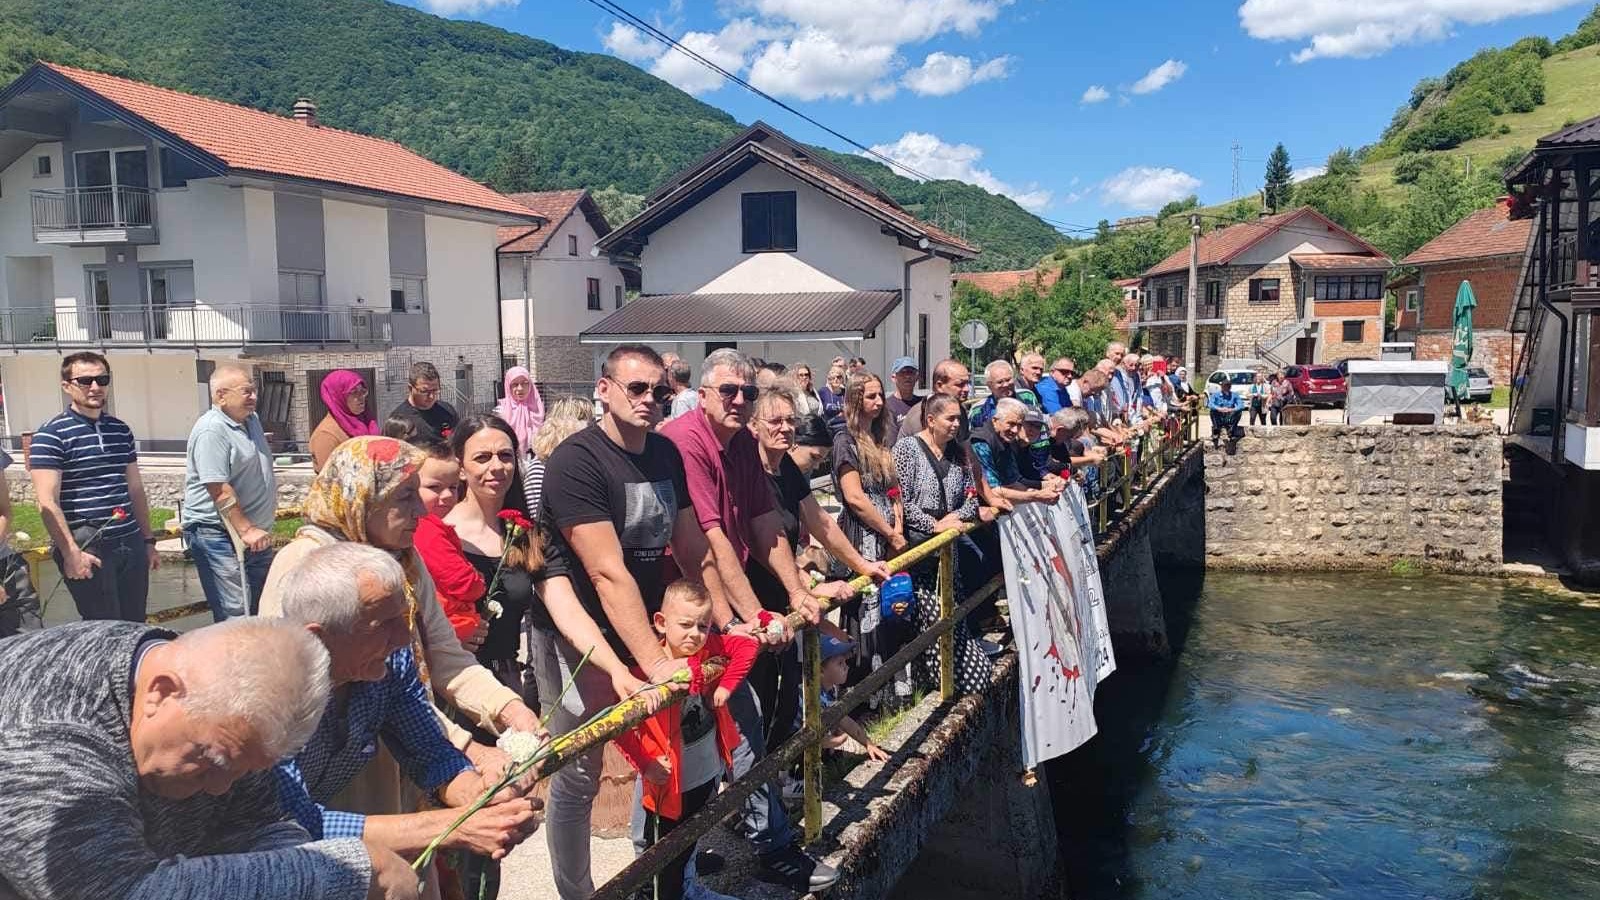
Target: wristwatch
150 539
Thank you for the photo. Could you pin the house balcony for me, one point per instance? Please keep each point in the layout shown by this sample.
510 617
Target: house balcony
1211 313
191 327
94 216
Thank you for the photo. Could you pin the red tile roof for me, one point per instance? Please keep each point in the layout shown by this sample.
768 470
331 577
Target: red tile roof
1221 246
1487 232
252 141
999 282
1339 261
553 207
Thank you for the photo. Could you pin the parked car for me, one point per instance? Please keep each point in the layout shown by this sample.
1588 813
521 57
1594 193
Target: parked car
1241 379
1480 387
1317 384
1343 365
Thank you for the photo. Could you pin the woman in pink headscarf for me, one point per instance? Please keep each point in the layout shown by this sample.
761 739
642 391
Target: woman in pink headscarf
345 395
522 409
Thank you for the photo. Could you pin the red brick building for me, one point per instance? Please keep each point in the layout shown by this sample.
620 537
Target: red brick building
1486 248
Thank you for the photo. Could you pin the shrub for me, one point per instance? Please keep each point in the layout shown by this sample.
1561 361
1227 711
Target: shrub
1449 127
1411 167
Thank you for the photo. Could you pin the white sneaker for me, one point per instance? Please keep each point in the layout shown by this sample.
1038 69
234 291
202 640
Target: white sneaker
794 790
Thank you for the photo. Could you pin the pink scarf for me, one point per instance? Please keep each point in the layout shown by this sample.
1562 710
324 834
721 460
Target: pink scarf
336 386
526 416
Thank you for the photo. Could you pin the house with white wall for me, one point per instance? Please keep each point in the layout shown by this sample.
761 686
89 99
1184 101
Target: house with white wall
553 285
173 232
766 247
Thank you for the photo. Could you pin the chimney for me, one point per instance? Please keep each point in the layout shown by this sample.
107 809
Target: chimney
305 111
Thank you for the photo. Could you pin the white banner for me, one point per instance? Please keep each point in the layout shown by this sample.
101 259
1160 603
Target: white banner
1058 615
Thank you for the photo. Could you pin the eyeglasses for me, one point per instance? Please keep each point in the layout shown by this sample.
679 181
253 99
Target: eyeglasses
427 392
781 422
86 380
359 390
659 393
749 391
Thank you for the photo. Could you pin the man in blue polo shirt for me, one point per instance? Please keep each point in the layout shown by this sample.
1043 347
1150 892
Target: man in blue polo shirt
86 477
1225 407
230 497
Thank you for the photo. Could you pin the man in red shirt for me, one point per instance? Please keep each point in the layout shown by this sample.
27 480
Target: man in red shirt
733 503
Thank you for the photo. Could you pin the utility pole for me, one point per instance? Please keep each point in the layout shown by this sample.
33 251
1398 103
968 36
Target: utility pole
1235 192
1191 348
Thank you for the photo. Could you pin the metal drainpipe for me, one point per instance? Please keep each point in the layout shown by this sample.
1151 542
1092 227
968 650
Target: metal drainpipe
499 323
905 300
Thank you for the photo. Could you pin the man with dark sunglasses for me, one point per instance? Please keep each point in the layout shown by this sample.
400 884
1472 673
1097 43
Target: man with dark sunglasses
734 504
1052 391
91 497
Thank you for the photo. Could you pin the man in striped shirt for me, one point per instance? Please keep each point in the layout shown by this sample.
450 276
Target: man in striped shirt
86 477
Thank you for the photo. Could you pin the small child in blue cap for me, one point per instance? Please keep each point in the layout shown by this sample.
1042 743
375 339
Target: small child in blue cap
835 671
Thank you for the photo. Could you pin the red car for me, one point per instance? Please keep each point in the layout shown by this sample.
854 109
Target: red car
1317 384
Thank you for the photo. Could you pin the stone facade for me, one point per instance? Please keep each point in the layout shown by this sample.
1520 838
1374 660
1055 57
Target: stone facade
389 376
1334 496
1496 351
557 359
164 488
1247 323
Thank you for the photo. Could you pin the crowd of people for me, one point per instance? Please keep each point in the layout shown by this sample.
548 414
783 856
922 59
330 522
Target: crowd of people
461 578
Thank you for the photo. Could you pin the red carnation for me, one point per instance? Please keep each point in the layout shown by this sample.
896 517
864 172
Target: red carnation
445 433
119 514
893 493
972 491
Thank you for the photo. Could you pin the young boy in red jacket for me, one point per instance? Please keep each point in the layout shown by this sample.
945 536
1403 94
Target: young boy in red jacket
683 751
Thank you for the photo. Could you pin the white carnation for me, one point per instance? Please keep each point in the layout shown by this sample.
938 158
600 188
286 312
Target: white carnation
519 745
495 609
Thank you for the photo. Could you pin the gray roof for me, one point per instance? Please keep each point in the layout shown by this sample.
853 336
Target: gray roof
1585 132
831 315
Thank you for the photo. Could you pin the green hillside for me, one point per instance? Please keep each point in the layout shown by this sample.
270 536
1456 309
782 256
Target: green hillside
516 112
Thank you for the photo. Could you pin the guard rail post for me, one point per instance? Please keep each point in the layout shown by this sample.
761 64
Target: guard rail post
811 767
947 606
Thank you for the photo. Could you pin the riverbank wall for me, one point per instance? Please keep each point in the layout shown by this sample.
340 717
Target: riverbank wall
1336 496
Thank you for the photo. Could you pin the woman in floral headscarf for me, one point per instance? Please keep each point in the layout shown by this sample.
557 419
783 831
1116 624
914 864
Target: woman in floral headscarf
349 404
367 492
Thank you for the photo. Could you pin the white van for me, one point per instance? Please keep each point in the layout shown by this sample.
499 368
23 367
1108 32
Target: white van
1241 378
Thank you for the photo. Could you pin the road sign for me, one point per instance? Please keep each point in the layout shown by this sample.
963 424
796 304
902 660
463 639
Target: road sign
974 334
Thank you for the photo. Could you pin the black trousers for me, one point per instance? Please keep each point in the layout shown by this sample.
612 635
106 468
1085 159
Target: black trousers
668 883
19 612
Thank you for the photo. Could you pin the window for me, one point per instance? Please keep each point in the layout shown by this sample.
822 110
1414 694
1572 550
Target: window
617 295
1347 287
1353 329
407 294
1263 290
1213 342
176 170
594 292
572 245
1213 293
41 166
1180 296
300 290
768 220
1161 298
1411 300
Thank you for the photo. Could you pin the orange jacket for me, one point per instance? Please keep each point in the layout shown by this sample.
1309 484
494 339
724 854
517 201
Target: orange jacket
662 734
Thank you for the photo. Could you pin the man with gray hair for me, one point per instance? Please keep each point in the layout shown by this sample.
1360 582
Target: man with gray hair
230 497
684 396
352 597
999 447
135 764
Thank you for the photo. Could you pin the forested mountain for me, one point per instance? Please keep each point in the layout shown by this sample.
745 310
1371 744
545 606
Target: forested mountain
516 112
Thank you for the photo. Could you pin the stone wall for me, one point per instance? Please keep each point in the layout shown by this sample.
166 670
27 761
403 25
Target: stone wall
557 358
1336 496
1496 351
164 487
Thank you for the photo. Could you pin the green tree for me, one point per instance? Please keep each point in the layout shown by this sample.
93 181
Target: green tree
1075 317
1179 206
1439 199
617 205
1278 188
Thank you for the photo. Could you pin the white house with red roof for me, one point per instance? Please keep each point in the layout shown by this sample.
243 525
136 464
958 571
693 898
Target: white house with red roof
1294 287
173 232
553 285
765 246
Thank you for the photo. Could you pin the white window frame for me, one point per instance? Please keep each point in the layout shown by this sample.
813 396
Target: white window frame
43 165
404 283
1411 299
295 302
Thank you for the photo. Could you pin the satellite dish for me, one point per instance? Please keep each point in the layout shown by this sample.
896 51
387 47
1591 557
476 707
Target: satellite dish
974 334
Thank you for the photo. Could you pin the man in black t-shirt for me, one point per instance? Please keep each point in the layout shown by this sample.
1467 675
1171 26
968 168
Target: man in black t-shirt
614 500
432 418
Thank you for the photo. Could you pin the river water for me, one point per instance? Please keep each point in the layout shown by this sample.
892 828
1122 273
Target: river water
1347 736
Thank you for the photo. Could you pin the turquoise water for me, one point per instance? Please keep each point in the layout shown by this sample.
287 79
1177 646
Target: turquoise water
1347 736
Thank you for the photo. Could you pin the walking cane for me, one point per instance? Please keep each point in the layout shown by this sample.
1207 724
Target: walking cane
238 552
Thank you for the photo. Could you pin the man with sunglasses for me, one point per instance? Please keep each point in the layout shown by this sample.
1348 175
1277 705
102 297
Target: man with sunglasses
734 504
1052 391
614 499
91 497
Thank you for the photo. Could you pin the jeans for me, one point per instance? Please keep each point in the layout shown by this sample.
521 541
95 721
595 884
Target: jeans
120 586
569 809
19 612
1258 413
764 821
1222 423
218 570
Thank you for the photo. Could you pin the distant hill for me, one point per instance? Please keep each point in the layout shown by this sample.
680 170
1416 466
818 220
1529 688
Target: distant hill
510 110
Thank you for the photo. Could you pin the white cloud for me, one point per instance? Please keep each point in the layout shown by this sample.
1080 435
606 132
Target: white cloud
630 43
1159 77
928 154
464 7
728 48
882 21
1365 28
1147 187
1304 172
1095 94
815 65
941 74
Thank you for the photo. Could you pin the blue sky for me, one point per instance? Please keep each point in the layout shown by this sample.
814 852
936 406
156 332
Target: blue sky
1079 111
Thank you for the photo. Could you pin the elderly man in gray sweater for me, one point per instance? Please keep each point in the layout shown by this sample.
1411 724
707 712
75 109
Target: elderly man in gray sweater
134 766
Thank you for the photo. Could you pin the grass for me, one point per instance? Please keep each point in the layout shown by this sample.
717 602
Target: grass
25 518
1405 567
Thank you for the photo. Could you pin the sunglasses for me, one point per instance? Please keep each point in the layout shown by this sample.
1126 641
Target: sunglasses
86 380
749 391
660 393
1067 372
